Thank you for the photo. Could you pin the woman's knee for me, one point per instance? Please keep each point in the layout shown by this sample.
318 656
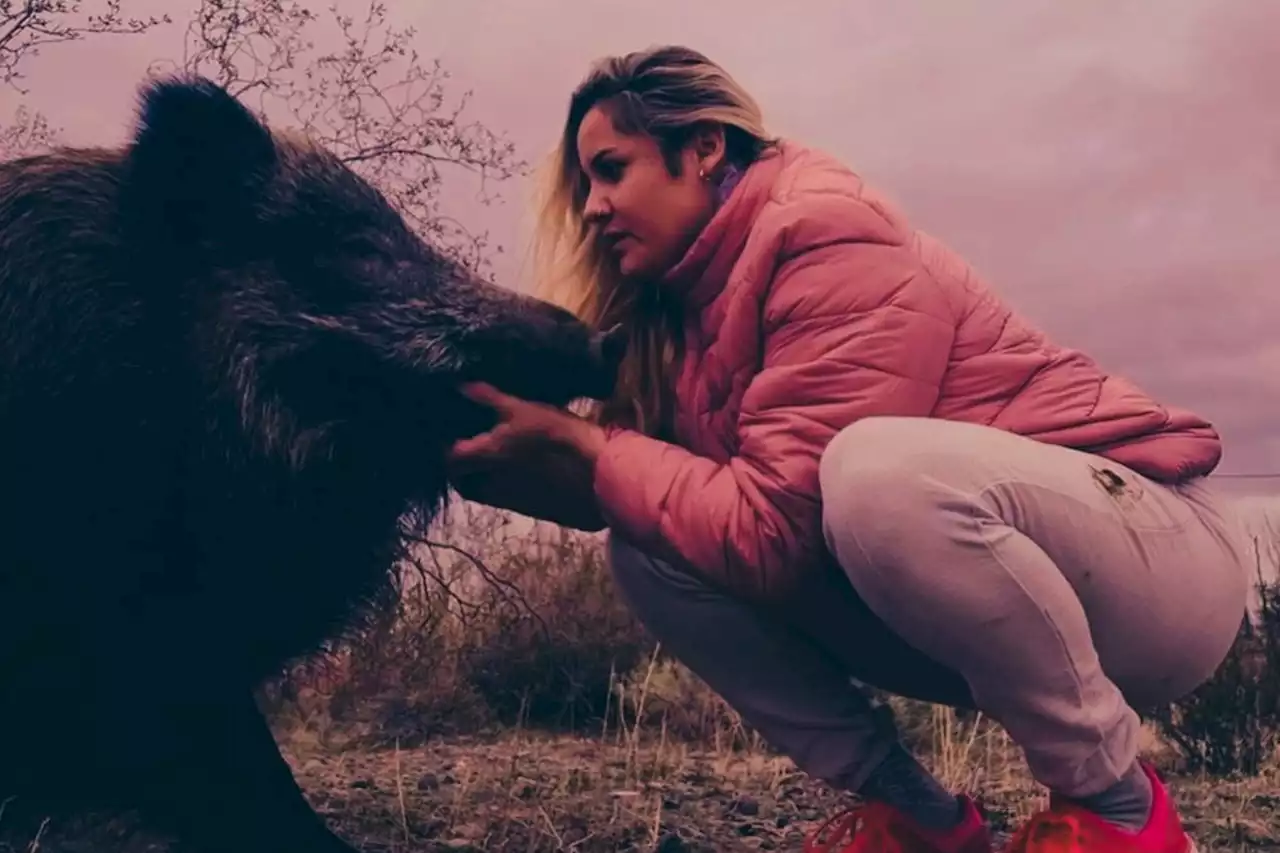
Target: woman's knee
622 557
629 566
645 581
879 451
900 497
878 484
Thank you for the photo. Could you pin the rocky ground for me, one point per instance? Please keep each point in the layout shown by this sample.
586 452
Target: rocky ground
533 793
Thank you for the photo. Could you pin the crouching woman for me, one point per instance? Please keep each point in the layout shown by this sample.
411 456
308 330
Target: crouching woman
836 454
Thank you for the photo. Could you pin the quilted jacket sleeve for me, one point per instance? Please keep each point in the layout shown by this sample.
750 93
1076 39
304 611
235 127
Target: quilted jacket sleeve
853 326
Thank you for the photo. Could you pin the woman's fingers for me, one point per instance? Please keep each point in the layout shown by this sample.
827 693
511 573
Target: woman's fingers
487 395
476 449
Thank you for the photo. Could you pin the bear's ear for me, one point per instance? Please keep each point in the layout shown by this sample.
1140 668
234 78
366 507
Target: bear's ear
199 161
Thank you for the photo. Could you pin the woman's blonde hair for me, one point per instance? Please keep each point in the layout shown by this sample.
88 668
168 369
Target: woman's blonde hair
665 93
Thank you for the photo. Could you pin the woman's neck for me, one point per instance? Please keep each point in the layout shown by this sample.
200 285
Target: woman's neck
726 182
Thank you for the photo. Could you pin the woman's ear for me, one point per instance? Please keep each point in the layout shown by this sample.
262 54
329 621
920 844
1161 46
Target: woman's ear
709 147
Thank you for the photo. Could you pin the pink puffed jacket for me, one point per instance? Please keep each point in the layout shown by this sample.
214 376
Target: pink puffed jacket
811 303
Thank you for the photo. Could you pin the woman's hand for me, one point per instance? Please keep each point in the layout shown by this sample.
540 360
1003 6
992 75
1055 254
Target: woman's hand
525 427
537 460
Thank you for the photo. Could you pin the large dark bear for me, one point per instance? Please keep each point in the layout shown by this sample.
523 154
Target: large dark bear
228 376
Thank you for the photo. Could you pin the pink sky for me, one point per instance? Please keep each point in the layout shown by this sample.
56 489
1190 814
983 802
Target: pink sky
1112 167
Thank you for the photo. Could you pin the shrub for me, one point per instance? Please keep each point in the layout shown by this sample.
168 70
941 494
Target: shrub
499 622
1231 724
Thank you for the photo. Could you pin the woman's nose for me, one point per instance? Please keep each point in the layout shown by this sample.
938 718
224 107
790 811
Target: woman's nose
597 208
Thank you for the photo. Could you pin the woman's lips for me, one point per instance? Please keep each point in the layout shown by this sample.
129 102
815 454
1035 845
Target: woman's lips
618 241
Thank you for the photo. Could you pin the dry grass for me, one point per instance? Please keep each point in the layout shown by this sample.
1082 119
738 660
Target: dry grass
530 713
634 790
532 793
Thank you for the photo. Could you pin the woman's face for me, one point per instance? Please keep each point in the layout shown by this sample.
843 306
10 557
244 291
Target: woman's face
645 218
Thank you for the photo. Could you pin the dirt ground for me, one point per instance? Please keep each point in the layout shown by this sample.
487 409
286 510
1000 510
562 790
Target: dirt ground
535 793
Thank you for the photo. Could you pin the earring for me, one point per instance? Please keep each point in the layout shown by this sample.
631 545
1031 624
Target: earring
702 174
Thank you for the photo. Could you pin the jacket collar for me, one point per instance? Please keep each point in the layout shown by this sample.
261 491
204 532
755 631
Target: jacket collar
700 276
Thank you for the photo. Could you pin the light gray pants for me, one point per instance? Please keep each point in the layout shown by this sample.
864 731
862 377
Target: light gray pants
1052 589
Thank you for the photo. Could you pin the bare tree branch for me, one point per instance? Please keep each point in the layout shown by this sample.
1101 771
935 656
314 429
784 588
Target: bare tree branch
372 100
509 592
27 133
26 26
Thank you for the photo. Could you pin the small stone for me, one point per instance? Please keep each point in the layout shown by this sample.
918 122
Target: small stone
744 805
429 782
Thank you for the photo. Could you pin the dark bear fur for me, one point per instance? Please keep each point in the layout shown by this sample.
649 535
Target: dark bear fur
228 374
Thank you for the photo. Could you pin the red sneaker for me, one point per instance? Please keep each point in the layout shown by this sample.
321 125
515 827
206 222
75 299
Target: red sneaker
1067 828
877 828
